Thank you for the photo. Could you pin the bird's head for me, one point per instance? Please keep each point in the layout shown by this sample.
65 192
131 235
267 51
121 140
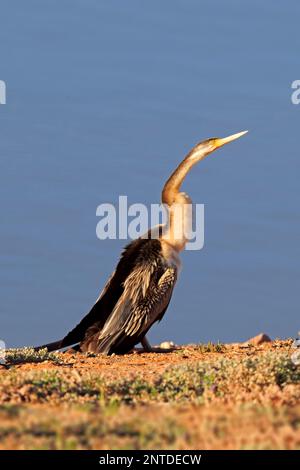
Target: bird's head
199 152
208 146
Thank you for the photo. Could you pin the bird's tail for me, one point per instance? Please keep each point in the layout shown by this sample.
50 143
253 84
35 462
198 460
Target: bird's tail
56 346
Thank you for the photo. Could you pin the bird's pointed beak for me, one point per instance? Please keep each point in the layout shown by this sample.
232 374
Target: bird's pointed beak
226 140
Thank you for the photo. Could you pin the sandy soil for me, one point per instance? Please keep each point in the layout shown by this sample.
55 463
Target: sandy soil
149 365
187 399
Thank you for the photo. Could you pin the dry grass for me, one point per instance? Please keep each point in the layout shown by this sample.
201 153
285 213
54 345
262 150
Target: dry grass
207 396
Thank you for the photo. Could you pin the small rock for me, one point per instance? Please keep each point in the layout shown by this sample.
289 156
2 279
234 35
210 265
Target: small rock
296 343
259 339
167 345
295 358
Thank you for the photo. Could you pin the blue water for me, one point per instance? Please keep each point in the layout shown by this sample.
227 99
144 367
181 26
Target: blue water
105 98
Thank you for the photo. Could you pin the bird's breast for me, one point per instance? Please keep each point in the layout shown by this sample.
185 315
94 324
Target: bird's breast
170 256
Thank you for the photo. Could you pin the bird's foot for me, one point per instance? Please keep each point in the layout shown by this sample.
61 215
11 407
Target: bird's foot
146 345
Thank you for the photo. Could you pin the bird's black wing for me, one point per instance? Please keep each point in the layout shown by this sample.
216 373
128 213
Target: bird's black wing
106 301
147 293
109 296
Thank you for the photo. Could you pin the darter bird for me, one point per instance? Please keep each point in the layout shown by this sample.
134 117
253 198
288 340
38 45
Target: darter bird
139 291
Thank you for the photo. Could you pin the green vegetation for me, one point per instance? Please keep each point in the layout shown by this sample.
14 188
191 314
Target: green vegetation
21 355
199 382
211 347
240 400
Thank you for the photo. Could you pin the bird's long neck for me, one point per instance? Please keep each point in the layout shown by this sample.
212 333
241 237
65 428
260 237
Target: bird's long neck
171 195
179 205
172 186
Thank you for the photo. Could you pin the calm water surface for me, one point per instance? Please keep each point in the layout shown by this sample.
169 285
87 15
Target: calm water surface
105 98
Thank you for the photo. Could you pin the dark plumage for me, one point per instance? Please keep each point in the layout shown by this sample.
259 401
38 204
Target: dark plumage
145 295
139 291
141 259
